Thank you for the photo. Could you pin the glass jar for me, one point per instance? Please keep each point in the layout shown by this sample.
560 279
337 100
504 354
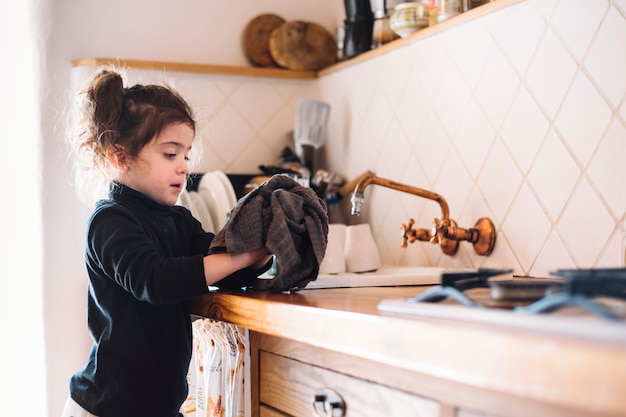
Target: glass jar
445 9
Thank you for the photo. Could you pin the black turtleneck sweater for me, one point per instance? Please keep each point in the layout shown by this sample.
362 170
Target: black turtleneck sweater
145 263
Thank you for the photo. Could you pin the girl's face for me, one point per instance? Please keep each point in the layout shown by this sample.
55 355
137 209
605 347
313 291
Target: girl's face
160 170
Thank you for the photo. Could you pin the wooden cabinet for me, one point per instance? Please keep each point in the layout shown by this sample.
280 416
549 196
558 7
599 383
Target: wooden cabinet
295 388
447 361
288 377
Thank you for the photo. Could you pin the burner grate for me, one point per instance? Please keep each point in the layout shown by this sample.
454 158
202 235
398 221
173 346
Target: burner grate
581 287
454 283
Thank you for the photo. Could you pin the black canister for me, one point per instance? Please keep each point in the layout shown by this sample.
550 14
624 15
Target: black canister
358 9
359 25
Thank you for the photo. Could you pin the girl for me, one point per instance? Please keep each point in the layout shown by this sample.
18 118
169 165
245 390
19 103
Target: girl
145 256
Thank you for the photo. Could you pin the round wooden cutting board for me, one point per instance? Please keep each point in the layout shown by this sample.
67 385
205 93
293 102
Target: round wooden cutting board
256 37
302 46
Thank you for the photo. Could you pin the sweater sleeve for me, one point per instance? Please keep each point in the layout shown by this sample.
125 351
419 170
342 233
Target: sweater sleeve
141 260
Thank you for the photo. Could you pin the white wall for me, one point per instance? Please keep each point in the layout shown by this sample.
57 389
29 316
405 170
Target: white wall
22 350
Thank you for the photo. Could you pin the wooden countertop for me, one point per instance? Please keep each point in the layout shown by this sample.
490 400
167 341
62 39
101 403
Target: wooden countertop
567 359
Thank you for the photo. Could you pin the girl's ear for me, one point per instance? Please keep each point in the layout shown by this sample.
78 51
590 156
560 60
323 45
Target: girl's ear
117 157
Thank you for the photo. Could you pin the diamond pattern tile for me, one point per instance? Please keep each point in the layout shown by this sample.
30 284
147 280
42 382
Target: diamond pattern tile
499 181
378 118
474 138
606 60
585 226
228 123
553 256
526 227
550 73
553 184
517 32
393 79
469 52
613 250
497 87
432 146
610 182
524 129
413 107
428 61
455 188
358 81
583 118
451 99
545 7
256 113
577 22
393 156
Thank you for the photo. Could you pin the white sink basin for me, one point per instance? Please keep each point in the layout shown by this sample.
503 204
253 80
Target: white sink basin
386 276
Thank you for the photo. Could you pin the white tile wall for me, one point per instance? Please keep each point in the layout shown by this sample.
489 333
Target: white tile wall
519 116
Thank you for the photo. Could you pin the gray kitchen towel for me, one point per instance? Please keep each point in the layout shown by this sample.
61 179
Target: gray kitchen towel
287 218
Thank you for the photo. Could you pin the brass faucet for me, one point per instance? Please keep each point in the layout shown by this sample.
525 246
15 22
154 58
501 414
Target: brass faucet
445 231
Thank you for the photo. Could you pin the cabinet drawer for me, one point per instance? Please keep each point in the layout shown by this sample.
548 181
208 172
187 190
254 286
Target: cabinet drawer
290 386
265 411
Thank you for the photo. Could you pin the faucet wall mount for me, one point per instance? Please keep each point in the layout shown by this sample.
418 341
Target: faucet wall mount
445 231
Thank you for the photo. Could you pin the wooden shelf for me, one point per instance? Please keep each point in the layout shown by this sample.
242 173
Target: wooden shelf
288 74
199 68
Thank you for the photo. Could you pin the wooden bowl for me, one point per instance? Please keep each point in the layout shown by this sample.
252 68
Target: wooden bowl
256 37
302 46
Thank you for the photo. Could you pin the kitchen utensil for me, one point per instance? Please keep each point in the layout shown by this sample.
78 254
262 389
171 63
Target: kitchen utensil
302 46
256 37
310 130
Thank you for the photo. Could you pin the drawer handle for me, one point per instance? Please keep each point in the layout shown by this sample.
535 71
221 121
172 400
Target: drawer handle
327 403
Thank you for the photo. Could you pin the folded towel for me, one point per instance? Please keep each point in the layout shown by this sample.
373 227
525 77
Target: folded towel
287 218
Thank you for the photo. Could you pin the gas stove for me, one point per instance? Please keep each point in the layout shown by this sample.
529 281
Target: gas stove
601 292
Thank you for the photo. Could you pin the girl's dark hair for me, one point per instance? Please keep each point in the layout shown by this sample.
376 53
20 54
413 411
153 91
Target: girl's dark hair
127 117
109 117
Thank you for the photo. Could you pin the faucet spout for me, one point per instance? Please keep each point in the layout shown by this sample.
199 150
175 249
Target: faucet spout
445 232
358 196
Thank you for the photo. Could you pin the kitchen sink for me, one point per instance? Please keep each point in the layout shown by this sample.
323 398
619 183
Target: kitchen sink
385 276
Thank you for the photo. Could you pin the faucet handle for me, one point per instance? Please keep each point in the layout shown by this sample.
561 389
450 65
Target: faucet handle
440 233
434 234
408 234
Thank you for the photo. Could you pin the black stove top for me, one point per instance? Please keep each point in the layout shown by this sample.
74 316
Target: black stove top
580 288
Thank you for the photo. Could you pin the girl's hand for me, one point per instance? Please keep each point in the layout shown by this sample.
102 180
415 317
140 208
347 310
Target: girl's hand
221 265
263 260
